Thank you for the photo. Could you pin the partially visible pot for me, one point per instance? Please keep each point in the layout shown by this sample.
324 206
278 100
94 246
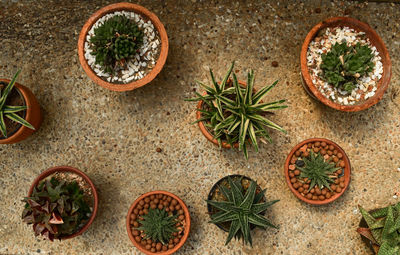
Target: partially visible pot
58 169
32 115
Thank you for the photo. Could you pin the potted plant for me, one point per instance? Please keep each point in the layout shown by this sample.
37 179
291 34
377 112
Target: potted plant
237 205
231 113
123 46
19 111
61 204
381 228
317 171
158 222
345 64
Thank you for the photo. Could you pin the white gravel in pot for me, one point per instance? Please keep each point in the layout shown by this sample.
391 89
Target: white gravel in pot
366 85
145 59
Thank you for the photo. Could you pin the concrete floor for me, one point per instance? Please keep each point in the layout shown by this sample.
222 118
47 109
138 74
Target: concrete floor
113 136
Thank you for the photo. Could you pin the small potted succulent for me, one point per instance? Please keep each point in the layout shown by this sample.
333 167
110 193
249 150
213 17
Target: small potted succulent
381 229
237 205
19 112
317 171
345 64
61 204
123 46
158 222
231 113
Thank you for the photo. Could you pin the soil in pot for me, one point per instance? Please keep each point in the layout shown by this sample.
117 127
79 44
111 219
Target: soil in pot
132 64
302 185
216 195
344 65
14 99
160 202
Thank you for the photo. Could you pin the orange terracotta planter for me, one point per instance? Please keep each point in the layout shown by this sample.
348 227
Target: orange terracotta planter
187 226
375 40
124 7
33 115
347 171
53 170
205 131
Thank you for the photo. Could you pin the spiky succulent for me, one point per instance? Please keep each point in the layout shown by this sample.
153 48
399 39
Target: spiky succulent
235 114
383 229
116 41
10 111
318 170
56 208
158 226
241 209
343 64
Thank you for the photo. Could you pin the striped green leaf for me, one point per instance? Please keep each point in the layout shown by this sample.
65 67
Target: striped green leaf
3 127
19 119
7 90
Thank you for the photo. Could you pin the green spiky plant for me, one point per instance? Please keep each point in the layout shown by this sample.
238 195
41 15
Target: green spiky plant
158 226
383 229
235 114
114 42
10 111
343 64
242 208
56 209
318 171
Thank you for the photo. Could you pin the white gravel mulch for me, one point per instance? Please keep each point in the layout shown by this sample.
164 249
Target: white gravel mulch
366 85
144 61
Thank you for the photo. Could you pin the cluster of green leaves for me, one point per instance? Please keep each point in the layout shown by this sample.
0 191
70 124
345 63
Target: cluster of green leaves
317 170
384 225
116 41
343 64
235 114
158 226
56 208
241 208
10 111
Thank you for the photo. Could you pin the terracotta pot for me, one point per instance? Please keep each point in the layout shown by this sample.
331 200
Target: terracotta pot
205 131
347 171
187 219
123 7
32 115
53 170
211 194
375 40
366 235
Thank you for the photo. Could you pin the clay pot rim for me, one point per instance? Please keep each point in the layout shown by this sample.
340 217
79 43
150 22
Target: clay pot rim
187 218
132 8
214 187
347 171
383 83
26 114
56 169
205 131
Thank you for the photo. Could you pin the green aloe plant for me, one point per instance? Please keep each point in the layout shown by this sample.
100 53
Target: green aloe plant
383 228
318 171
56 208
10 111
235 114
242 208
158 226
343 64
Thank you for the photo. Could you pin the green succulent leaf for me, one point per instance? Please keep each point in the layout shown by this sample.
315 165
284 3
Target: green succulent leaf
16 118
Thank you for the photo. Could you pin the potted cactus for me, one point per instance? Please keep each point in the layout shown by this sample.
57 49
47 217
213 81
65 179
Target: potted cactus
158 222
61 203
317 171
381 228
123 46
237 205
231 113
19 111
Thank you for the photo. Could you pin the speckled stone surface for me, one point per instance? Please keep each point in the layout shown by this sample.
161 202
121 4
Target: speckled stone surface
113 136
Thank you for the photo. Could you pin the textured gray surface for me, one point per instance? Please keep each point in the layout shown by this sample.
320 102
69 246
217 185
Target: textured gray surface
113 136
